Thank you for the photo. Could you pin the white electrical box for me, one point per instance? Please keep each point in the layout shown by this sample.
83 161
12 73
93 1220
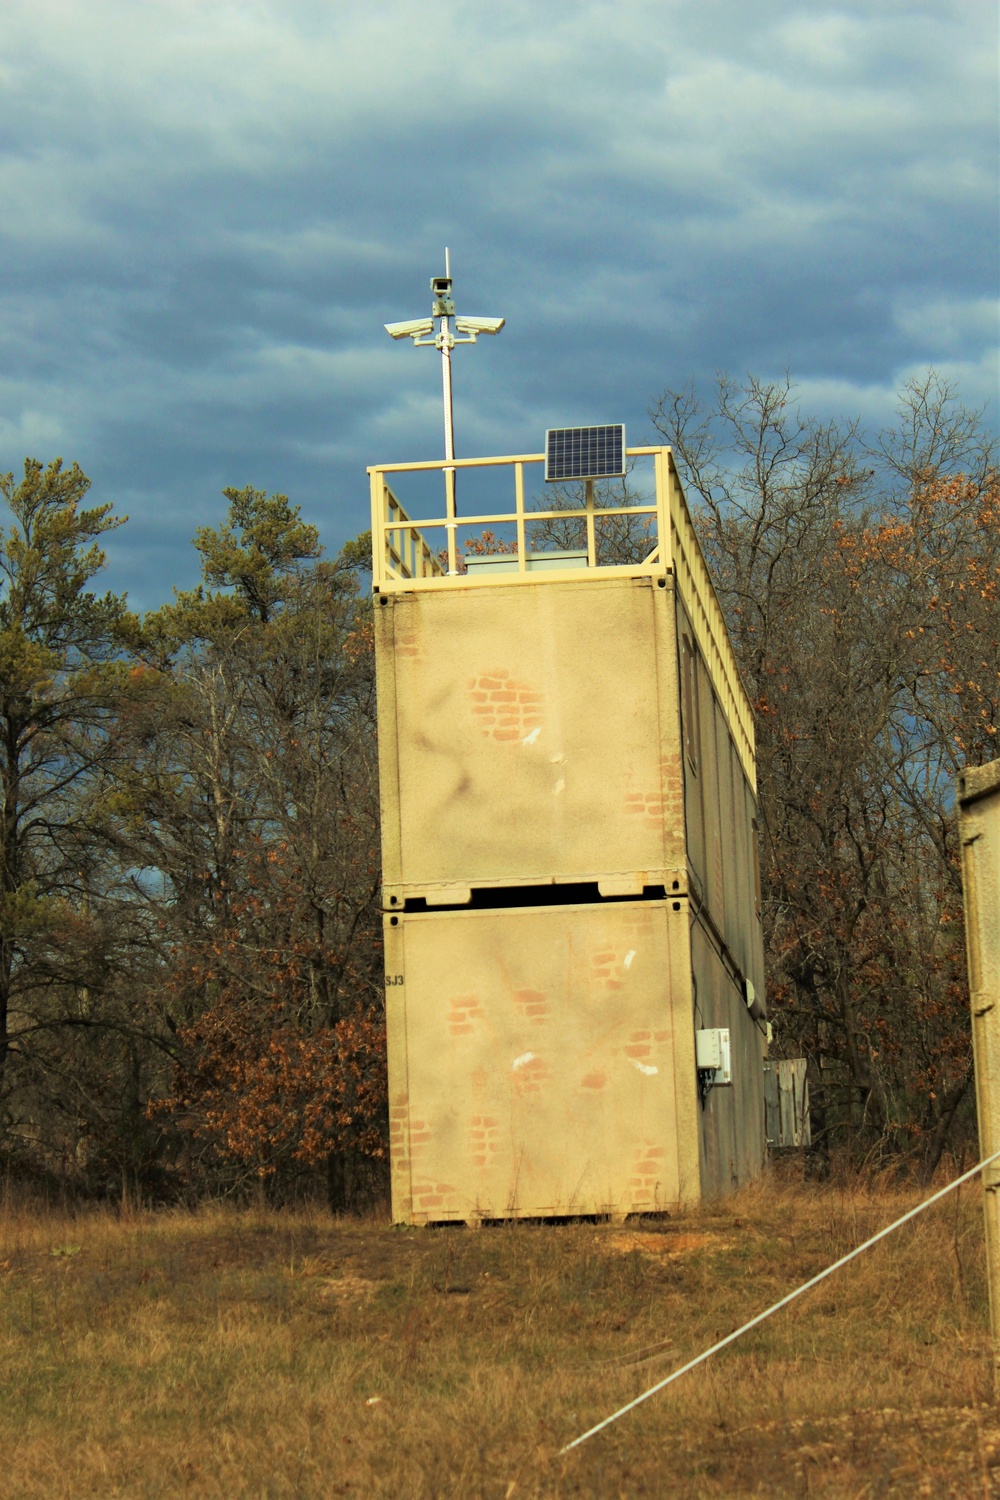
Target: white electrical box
712 1054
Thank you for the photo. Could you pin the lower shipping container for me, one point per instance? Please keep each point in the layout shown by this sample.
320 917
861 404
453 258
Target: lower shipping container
542 1063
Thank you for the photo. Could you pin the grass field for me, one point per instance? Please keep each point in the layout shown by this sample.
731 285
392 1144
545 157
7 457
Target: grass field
226 1353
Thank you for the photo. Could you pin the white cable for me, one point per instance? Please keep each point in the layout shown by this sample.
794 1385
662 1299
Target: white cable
806 1286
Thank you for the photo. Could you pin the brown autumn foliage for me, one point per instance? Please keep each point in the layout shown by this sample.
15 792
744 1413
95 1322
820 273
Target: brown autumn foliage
272 950
860 581
209 934
280 1067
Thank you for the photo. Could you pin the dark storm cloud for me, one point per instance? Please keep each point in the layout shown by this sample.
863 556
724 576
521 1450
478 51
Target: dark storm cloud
210 211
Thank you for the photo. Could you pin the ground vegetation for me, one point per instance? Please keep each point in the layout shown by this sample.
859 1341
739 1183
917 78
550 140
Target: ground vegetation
228 1353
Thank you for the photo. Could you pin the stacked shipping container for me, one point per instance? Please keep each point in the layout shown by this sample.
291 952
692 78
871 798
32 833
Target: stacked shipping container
566 764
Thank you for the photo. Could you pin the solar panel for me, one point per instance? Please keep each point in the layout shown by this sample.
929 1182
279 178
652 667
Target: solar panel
584 452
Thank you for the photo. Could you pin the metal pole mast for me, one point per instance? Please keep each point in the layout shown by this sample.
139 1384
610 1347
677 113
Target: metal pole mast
466 331
445 338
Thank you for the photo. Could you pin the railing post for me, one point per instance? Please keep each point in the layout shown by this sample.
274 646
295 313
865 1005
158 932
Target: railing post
522 558
664 506
591 537
377 486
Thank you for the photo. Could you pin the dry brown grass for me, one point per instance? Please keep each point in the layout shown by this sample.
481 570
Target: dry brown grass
228 1354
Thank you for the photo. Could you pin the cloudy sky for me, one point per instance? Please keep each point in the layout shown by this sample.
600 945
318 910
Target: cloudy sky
210 207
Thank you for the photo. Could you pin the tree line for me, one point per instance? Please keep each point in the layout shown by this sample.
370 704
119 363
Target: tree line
859 575
190 944
190 976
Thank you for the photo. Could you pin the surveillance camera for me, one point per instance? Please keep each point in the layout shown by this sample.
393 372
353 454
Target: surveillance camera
415 328
444 305
478 325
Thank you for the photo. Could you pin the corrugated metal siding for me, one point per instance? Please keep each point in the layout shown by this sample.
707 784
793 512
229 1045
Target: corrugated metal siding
720 808
731 1124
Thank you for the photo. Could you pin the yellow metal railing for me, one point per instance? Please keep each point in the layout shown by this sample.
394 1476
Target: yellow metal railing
403 559
394 568
405 552
697 592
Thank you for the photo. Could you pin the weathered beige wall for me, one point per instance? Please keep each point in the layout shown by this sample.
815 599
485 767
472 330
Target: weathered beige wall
731 1124
541 1061
726 938
979 833
720 811
528 735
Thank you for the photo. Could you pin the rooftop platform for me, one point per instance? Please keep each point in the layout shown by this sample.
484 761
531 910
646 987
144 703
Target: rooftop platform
526 535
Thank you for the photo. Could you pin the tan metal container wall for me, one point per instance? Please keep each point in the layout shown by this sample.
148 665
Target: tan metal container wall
979 832
541 1061
529 734
731 1125
708 771
720 807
